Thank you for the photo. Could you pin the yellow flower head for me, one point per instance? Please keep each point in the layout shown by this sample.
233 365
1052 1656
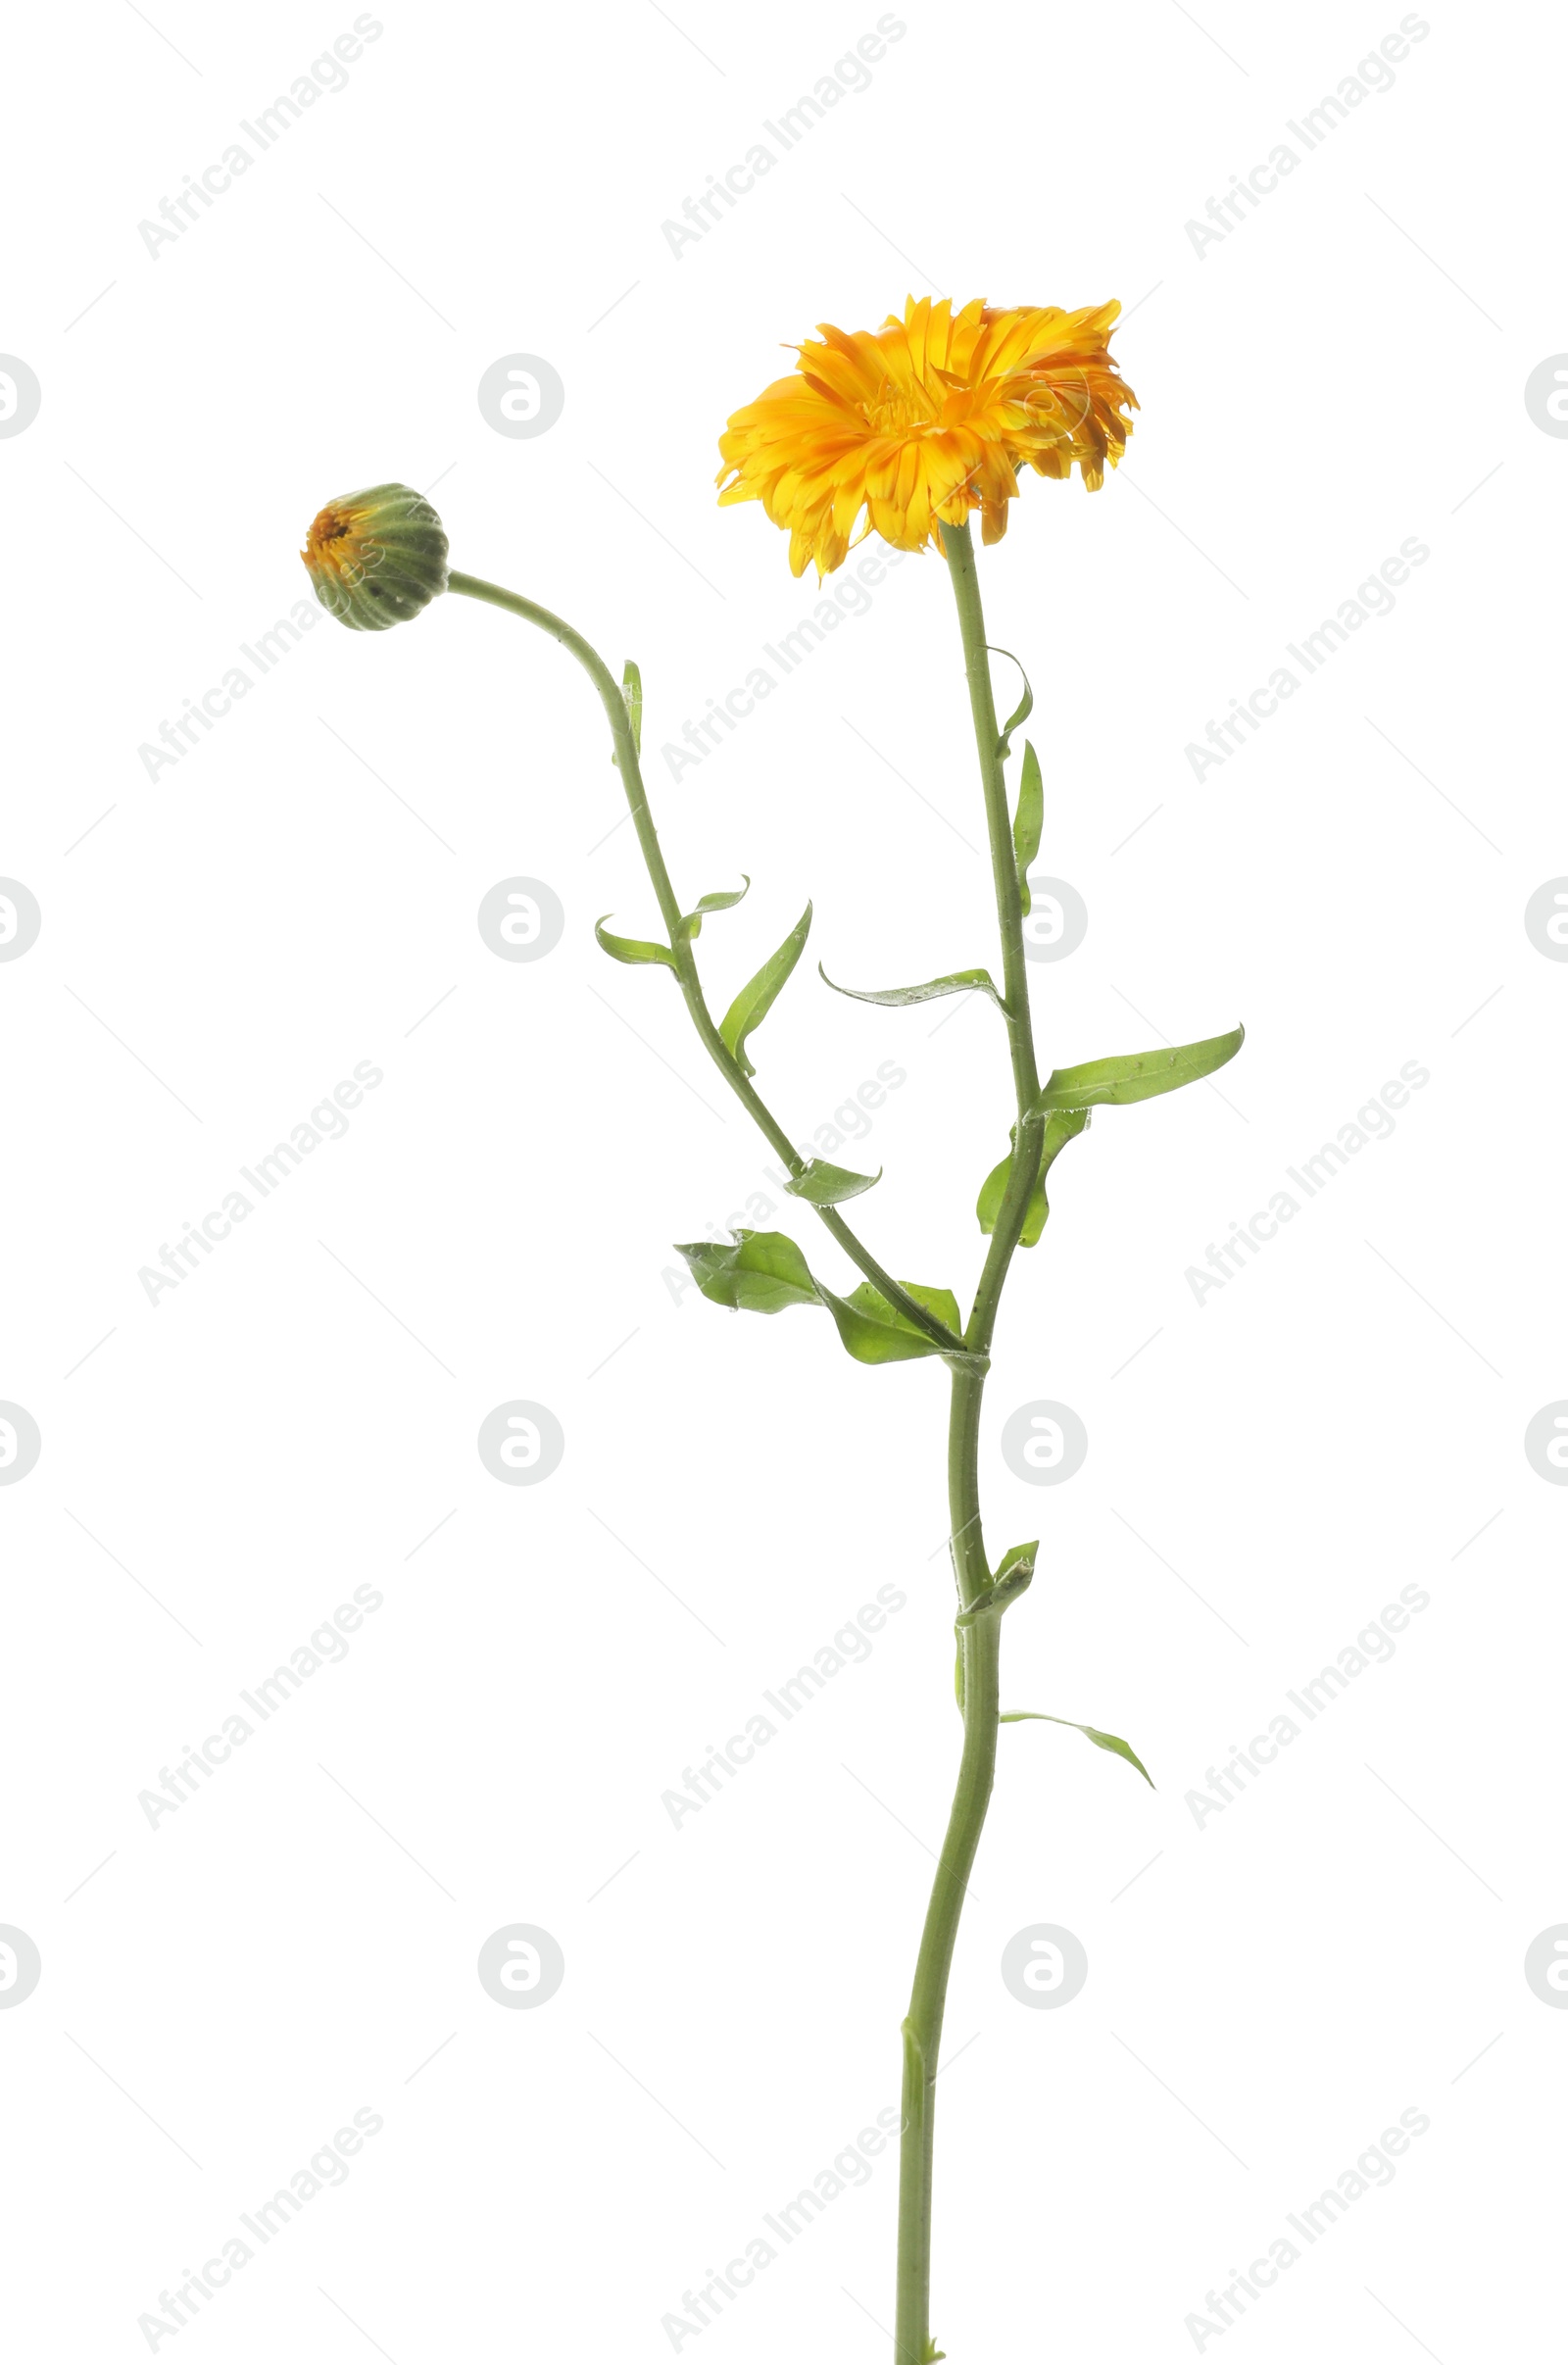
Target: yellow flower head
376 557
925 419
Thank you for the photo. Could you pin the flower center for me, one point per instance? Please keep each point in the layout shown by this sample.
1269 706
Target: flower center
329 527
920 407
898 411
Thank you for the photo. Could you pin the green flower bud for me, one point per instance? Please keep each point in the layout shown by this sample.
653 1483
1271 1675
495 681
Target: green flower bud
376 557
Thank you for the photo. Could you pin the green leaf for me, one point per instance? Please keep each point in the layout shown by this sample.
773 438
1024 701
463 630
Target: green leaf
1015 1573
631 948
1028 822
899 997
761 1273
933 2355
1021 712
756 997
988 1206
875 1332
825 1186
1101 1740
691 925
1061 1126
631 690
1016 1558
1139 1077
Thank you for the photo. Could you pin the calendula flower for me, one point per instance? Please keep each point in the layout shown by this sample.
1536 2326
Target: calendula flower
376 557
924 419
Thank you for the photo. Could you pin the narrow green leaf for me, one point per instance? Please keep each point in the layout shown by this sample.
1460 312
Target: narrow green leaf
1014 1575
875 1332
1029 820
1139 1077
691 925
988 1206
1061 1126
1021 712
1016 1556
900 997
1101 1740
761 1273
914 2081
933 2354
939 1302
631 691
631 948
756 997
825 1186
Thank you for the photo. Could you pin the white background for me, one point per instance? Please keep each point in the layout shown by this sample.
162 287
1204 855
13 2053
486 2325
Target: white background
297 894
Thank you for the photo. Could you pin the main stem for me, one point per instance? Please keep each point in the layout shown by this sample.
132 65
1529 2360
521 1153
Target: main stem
685 960
979 1644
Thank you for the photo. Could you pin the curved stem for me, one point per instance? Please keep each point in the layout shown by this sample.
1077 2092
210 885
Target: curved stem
686 976
979 1644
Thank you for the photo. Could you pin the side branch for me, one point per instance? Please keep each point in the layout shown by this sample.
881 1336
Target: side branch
682 954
